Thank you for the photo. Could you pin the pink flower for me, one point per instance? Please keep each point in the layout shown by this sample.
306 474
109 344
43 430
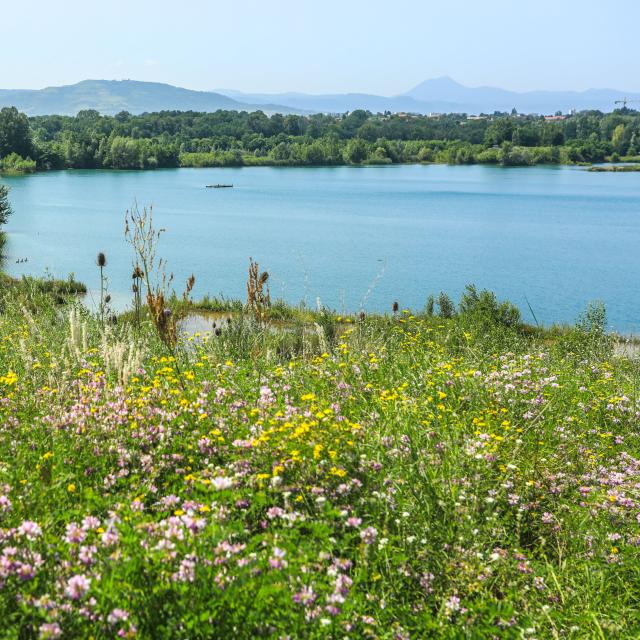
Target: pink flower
369 535
187 570
49 630
117 615
277 561
77 587
30 530
90 522
74 533
305 596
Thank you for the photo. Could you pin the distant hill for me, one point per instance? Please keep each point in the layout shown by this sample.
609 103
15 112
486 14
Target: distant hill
445 95
439 95
489 99
342 102
112 96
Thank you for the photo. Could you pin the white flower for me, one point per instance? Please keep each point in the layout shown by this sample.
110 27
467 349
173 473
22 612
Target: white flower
220 483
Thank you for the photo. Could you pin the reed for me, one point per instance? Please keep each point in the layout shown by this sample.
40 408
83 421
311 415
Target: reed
258 296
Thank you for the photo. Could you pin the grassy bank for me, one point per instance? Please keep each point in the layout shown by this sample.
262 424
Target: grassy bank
393 476
617 168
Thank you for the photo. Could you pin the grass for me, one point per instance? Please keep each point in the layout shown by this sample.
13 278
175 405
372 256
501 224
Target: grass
622 168
61 291
399 476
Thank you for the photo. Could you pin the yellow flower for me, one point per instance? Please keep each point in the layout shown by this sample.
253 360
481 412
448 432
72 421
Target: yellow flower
308 396
10 379
71 488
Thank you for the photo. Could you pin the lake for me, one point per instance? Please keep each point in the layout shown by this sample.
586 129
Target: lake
351 237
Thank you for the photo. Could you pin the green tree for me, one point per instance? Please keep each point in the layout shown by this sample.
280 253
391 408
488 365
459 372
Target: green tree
618 138
5 205
356 151
499 131
15 133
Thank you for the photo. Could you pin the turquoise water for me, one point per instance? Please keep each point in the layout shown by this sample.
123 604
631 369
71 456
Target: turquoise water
352 237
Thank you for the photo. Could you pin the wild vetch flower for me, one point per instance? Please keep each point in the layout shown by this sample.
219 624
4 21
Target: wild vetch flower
305 596
452 605
49 630
90 522
77 587
74 533
369 535
426 582
109 538
277 561
186 571
266 396
30 530
137 505
117 615
86 555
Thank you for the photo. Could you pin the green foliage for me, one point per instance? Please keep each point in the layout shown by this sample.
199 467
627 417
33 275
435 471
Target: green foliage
5 205
446 306
430 305
15 133
356 151
589 338
228 138
13 163
483 308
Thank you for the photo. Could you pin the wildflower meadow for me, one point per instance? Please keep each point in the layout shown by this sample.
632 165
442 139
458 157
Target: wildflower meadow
392 476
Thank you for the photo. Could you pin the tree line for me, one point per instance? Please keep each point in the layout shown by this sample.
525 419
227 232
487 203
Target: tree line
229 138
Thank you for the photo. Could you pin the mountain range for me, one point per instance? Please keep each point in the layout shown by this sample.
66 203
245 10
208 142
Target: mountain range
112 96
441 95
445 95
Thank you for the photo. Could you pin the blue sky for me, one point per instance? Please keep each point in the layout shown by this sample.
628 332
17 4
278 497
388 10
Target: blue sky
322 46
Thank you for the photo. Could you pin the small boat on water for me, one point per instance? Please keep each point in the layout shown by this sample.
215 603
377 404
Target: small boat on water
219 186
